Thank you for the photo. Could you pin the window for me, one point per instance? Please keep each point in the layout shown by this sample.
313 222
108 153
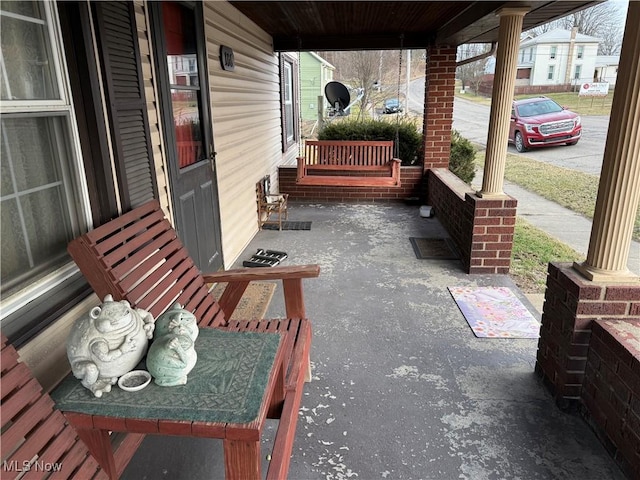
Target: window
577 72
531 54
288 99
553 52
550 72
186 95
580 51
39 203
522 52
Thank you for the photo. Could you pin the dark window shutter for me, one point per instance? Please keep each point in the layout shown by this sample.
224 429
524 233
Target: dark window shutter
128 120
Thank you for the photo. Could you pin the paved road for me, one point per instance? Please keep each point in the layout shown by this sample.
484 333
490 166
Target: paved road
472 121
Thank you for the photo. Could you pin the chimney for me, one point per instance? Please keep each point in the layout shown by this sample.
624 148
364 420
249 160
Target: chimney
572 45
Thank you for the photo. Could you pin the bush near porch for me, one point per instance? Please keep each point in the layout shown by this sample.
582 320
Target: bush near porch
409 138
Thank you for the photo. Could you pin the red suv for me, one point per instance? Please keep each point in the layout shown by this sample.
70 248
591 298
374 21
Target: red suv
539 121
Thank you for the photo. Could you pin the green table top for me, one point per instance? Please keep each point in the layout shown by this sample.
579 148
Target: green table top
226 385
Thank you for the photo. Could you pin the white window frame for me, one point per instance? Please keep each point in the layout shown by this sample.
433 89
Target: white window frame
77 190
551 72
553 52
287 83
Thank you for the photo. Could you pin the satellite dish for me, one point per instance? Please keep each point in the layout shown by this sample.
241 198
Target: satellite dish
337 95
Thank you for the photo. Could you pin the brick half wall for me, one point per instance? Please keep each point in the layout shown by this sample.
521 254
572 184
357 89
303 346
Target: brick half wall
572 304
611 390
411 187
481 228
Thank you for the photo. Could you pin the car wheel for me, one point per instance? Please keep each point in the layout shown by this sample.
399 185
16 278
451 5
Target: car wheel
572 143
519 141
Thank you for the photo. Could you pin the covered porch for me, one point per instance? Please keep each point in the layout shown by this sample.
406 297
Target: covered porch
401 386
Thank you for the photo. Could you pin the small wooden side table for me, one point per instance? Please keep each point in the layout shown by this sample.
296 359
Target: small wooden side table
237 377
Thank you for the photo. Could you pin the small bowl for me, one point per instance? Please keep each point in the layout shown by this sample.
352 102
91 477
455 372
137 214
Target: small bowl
134 380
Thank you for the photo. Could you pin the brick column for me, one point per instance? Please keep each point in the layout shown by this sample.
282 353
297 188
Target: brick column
494 222
438 110
619 189
501 100
572 305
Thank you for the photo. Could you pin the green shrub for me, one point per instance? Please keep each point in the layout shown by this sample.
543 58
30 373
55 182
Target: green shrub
409 138
461 160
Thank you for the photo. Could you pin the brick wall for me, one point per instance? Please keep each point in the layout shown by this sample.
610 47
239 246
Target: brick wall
411 186
482 228
611 392
572 304
438 112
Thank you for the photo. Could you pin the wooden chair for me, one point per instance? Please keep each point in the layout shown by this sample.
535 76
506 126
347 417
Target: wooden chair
36 439
138 257
270 205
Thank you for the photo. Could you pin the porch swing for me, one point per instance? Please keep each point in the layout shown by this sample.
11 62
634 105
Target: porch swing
350 163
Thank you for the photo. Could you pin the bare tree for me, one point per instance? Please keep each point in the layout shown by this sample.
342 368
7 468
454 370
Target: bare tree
471 73
374 71
604 21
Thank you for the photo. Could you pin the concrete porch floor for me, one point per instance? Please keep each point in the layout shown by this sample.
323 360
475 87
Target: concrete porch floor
401 388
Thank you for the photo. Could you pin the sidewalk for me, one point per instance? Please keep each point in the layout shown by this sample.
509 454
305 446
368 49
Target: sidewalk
567 226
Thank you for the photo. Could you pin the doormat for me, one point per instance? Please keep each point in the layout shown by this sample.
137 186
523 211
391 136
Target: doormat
254 302
436 248
287 225
495 312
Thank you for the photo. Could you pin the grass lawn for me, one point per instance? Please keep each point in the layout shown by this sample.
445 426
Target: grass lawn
532 251
574 190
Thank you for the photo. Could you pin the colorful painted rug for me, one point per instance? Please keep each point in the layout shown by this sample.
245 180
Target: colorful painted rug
495 312
254 303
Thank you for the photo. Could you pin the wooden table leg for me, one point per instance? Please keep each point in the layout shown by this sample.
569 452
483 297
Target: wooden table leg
99 444
277 396
242 460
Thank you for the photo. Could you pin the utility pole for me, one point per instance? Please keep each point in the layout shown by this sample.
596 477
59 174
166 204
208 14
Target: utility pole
406 97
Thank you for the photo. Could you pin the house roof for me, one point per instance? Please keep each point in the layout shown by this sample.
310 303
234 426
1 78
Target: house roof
322 60
607 60
558 36
361 25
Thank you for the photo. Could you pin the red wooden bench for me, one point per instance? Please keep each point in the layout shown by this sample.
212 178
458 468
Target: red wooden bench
37 441
348 163
138 257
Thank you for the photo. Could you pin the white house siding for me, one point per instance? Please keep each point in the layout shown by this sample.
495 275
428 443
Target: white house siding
541 60
245 106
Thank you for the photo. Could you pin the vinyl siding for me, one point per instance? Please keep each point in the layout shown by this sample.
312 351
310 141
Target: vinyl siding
246 120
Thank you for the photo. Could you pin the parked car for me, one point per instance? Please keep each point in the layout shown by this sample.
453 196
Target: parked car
540 122
392 105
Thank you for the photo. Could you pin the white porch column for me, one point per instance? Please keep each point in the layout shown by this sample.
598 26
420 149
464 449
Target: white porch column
501 100
619 188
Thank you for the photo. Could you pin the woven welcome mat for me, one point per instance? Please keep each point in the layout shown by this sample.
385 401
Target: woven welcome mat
434 248
254 302
287 225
